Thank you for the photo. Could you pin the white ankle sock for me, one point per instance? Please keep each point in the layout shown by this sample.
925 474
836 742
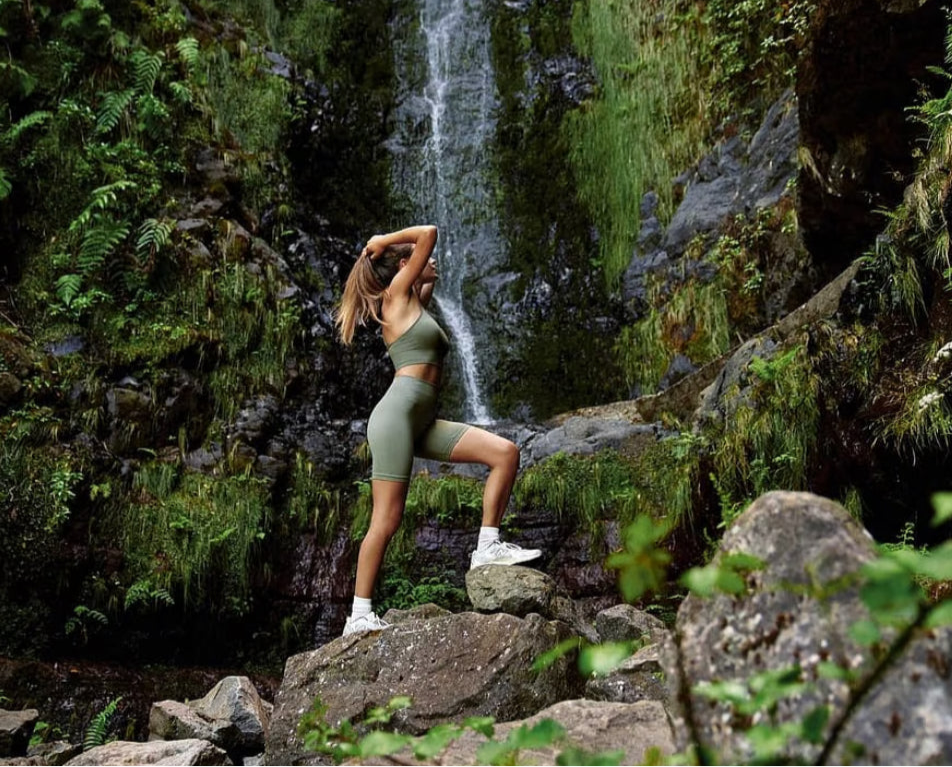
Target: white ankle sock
487 535
361 607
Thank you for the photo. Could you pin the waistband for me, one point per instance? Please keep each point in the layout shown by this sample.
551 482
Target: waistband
413 381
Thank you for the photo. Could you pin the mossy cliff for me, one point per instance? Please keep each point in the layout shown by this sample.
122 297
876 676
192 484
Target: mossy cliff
184 189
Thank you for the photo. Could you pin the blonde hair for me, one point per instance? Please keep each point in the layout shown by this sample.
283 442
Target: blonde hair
367 282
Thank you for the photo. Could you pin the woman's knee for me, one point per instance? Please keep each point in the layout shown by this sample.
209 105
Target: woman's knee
384 528
509 456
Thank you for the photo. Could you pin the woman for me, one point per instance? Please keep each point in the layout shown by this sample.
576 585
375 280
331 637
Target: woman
392 283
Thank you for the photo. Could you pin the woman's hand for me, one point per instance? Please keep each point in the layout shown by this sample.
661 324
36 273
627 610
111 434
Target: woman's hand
375 247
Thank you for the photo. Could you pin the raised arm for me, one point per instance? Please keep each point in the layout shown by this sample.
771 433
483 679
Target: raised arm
424 293
423 239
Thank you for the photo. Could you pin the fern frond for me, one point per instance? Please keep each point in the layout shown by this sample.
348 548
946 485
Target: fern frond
146 67
98 242
188 52
103 198
21 126
99 726
67 287
153 236
181 92
6 186
114 104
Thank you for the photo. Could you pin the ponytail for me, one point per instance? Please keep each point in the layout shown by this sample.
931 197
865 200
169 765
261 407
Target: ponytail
367 282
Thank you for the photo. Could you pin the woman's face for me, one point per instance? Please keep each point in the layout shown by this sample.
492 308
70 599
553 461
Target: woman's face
429 272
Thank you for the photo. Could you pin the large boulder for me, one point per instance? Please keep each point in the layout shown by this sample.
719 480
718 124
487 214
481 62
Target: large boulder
451 666
16 728
799 611
178 752
171 720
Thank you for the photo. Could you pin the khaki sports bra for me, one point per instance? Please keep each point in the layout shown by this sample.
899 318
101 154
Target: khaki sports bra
424 342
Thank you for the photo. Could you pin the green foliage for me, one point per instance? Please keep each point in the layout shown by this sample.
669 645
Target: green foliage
85 621
154 235
446 499
727 575
365 741
649 119
752 50
142 592
191 534
643 564
311 502
99 727
692 320
397 591
768 441
584 489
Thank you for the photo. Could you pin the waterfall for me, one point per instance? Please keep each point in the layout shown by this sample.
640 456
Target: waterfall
444 122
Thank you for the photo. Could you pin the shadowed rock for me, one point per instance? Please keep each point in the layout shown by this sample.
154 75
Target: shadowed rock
640 677
624 622
16 728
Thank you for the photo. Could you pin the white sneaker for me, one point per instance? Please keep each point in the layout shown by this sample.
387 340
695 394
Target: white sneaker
499 553
368 622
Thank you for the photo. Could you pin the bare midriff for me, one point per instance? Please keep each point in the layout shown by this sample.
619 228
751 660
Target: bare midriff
424 371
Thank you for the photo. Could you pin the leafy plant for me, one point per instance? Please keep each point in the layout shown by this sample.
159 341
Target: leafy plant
99 726
85 621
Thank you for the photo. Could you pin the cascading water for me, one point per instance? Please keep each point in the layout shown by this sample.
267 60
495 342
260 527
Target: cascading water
444 123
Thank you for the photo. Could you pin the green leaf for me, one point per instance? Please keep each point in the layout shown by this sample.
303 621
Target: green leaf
494 752
579 756
701 580
435 741
549 657
741 560
730 691
940 615
829 670
380 743
540 735
942 503
604 658
814 723
484 725
865 633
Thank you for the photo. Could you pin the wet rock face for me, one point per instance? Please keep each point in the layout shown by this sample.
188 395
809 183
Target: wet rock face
859 73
